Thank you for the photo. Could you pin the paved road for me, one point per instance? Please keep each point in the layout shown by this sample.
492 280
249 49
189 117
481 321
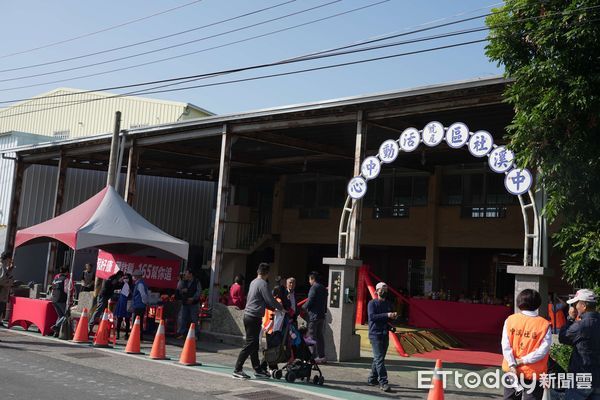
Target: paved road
32 368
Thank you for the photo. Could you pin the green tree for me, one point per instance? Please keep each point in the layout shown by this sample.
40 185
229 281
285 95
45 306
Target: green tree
551 51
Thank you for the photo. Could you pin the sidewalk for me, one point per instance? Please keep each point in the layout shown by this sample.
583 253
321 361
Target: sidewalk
345 380
351 377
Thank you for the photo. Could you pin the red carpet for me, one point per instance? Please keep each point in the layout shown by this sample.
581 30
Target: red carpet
479 350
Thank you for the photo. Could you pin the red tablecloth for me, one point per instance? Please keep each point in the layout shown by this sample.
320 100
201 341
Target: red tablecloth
457 317
27 311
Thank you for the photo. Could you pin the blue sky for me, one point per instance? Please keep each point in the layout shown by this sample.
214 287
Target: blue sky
26 25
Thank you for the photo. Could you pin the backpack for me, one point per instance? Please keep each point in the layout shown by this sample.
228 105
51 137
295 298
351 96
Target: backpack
58 289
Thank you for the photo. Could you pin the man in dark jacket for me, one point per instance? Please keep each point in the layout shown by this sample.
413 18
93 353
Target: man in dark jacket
58 295
188 291
259 297
316 306
584 336
106 292
380 314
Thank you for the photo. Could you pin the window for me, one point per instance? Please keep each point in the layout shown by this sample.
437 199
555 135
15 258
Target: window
452 187
314 195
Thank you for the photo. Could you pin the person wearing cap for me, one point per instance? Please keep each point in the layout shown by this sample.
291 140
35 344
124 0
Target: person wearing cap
584 336
380 315
526 341
140 297
6 282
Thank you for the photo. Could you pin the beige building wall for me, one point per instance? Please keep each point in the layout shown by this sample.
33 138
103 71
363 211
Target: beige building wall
66 113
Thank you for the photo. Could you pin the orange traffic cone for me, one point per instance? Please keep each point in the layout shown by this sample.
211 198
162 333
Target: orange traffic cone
102 336
437 391
188 354
159 350
81 333
133 344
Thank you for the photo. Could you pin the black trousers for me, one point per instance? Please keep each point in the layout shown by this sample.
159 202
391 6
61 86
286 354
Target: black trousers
101 306
315 330
250 349
139 312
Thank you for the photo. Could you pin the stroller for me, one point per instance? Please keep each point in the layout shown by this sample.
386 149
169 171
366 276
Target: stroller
288 346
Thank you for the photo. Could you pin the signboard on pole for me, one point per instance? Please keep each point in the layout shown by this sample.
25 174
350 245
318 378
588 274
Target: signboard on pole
158 273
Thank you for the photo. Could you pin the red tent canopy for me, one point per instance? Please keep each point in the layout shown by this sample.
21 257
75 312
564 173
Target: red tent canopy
103 220
63 228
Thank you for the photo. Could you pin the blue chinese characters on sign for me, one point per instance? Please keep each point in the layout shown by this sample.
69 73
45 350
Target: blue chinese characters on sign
388 151
357 187
457 135
501 159
433 133
370 168
518 181
481 143
410 139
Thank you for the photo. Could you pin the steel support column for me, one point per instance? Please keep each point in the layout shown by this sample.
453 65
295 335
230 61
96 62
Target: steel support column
59 191
132 169
356 216
15 203
220 214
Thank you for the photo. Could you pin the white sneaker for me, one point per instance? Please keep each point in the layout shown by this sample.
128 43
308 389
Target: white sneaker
321 360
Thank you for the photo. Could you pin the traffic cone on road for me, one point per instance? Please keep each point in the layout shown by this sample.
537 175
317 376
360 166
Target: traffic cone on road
188 354
133 344
81 333
437 391
102 336
159 349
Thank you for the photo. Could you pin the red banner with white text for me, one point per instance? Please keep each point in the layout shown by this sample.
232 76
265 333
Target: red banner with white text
158 273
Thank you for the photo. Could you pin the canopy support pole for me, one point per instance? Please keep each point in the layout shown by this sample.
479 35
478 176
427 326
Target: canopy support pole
220 215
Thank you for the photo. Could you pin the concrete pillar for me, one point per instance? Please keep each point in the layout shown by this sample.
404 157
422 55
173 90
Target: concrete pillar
341 341
536 278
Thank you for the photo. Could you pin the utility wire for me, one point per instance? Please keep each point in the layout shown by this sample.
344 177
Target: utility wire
149 40
171 46
264 76
197 51
212 74
101 30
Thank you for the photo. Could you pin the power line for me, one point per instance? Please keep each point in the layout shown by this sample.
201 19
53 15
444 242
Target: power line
282 62
149 40
197 51
263 76
171 46
356 62
101 30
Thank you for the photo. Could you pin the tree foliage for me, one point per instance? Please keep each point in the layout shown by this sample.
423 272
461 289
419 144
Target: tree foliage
551 51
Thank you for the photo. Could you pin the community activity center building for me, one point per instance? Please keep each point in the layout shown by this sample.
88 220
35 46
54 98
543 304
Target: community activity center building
436 219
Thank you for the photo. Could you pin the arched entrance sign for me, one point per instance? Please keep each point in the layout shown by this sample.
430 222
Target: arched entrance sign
517 181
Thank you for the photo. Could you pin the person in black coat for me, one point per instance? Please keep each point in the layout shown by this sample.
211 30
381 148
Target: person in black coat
316 307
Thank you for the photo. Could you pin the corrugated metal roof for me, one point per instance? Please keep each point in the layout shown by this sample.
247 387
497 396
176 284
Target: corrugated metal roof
72 113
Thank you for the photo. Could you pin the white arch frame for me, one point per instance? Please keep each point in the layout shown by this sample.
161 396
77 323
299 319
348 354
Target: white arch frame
531 242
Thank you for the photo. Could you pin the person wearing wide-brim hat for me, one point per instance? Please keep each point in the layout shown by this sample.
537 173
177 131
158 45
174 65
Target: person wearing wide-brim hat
582 331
